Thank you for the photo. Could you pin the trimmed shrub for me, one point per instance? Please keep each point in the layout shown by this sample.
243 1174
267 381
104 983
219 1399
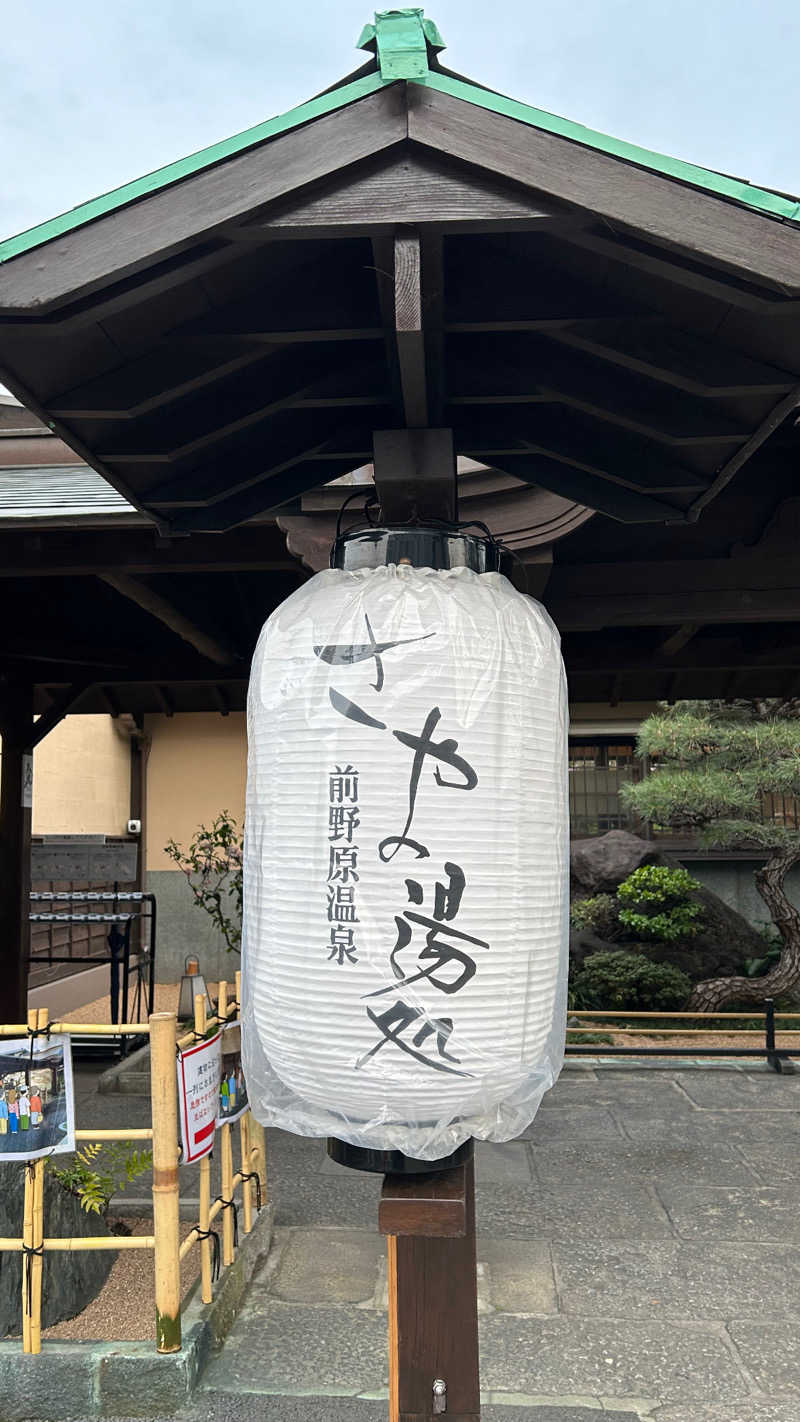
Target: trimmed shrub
595 915
656 904
629 982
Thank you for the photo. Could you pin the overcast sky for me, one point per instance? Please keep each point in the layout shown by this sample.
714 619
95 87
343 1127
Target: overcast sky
96 92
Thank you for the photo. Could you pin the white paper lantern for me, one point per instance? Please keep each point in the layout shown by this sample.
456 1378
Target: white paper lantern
406 860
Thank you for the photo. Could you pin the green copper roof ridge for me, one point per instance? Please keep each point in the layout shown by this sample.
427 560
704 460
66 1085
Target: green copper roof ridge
760 199
181 168
397 58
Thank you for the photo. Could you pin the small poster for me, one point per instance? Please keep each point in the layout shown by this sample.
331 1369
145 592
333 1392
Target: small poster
37 1105
233 1100
27 782
199 1069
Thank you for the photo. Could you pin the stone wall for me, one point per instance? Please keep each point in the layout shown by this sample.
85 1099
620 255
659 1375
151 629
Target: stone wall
732 880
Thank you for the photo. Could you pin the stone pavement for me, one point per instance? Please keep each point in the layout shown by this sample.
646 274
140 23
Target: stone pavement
639 1252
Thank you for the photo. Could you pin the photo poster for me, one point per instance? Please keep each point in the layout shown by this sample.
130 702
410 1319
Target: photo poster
37 1101
233 1100
199 1069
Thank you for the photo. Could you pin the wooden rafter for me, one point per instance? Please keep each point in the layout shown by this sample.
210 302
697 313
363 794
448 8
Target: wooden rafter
161 608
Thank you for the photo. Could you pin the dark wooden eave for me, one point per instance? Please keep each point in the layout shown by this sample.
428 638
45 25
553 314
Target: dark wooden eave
221 347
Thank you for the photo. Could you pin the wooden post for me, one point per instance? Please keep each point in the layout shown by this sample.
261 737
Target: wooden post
166 1195
16 731
204 1211
433 1295
36 1262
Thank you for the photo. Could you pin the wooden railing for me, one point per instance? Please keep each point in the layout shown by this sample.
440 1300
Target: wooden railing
168 1251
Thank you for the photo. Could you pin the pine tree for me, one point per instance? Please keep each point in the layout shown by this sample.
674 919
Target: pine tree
716 765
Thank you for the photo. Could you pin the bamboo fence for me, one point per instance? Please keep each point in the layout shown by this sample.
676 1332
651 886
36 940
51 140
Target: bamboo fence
168 1251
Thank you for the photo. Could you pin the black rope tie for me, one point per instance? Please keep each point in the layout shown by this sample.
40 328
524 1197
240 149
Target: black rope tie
29 1254
215 1254
231 1205
33 1033
254 1175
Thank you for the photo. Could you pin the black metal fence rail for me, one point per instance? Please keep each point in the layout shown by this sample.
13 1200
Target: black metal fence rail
106 907
779 1058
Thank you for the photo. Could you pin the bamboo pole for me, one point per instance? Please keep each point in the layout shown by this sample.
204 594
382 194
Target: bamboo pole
137 1133
247 1187
27 1232
166 1197
37 1263
90 1029
258 1154
200 1024
226 1153
70 1245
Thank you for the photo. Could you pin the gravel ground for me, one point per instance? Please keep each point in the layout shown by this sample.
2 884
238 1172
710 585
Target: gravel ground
124 1310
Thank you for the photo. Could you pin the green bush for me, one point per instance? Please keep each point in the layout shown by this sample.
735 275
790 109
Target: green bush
656 904
629 982
597 915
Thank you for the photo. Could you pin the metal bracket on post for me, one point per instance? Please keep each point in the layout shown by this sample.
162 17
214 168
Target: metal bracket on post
415 475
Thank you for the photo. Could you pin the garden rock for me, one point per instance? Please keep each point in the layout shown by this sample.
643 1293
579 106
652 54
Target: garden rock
598 865
720 949
70 1281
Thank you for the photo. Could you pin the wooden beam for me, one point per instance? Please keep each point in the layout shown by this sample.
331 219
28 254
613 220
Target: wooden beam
290 438
408 325
412 187
165 374
165 611
532 369
711 590
16 730
657 349
132 238
665 211
619 247
782 411
594 491
486 433
64 705
678 639
263 498
57 553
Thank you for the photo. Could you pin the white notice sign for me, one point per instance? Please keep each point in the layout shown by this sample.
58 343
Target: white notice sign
199 1070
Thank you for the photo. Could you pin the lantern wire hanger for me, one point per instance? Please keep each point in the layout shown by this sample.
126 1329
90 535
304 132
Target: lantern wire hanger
371 518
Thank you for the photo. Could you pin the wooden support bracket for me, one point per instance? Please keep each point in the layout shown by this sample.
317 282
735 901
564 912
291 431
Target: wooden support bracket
433 1295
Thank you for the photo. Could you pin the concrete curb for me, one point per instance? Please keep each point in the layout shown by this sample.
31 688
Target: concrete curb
103 1380
128 1077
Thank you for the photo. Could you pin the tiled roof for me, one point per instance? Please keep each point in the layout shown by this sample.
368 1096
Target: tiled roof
57 494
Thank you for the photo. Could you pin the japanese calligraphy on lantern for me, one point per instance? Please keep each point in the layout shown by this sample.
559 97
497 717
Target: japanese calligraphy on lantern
343 822
199 1074
406 860
442 954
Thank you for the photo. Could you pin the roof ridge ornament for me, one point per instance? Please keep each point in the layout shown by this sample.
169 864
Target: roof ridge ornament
404 42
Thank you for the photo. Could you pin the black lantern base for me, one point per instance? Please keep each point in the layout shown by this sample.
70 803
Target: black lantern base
393 1162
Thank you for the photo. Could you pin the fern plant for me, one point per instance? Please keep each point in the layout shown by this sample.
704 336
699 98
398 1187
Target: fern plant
96 1172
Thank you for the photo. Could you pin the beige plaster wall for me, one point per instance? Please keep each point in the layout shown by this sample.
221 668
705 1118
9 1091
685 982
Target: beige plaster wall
197 767
82 778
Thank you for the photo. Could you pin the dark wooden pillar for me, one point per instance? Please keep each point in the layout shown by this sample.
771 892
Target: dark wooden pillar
433 1300
16 730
